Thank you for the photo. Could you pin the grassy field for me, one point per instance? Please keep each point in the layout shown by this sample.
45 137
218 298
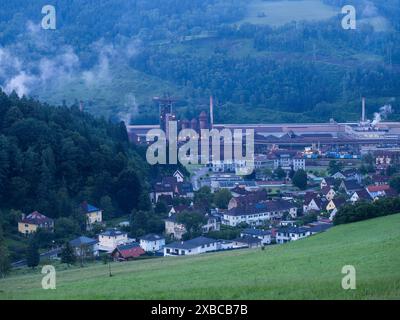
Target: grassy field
307 269
277 13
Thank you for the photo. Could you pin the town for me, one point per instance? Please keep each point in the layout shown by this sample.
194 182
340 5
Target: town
296 190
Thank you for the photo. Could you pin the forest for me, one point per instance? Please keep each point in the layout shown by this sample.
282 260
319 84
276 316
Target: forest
302 71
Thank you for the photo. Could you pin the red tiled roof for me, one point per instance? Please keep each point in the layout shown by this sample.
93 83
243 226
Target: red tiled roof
378 188
130 251
36 218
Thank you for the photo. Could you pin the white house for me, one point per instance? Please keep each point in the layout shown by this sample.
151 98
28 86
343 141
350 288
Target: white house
315 204
110 239
152 242
257 214
284 235
263 235
361 195
93 215
179 176
328 193
191 247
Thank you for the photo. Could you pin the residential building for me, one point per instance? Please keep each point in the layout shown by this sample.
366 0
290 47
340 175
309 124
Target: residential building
316 204
287 159
381 191
256 214
127 251
328 193
85 247
350 186
112 238
247 242
191 247
152 242
361 195
287 234
328 182
92 214
32 222
334 206
265 236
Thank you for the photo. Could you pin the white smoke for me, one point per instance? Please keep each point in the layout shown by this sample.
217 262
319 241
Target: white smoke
131 108
383 113
35 63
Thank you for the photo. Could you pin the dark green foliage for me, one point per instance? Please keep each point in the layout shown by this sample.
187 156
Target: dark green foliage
300 179
32 255
203 198
222 198
51 159
364 211
335 166
395 183
4 254
226 232
193 221
279 173
68 255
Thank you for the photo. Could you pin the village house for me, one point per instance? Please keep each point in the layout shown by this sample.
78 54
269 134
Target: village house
327 182
384 159
287 159
247 241
287 234
92 214
381 191
191 247
361 195
348 174
85 247
172 187
127 251
178 176
328 193
32 222
318 227
256 214
152 242
334 206
316 204
380 180
350 186
265 236
110 239
248 199
176 230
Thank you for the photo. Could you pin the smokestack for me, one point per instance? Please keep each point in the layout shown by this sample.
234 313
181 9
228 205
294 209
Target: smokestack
363 111
211 112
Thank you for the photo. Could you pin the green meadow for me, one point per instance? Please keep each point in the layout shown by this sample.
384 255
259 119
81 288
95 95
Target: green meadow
306 269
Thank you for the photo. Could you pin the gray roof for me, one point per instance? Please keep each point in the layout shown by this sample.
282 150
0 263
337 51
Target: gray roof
248 240
112 233
256 232
82 241
191 244
296 230
152 237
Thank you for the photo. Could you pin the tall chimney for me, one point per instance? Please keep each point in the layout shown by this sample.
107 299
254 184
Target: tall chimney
363 110
211 112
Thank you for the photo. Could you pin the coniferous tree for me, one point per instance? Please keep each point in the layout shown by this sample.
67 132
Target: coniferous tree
4 255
